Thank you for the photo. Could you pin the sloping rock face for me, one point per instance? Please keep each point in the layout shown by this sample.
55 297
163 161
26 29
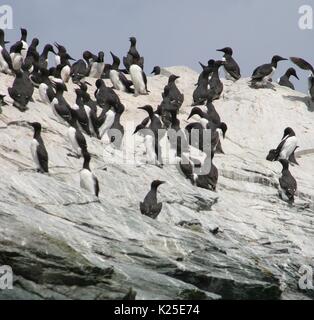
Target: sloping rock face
63 244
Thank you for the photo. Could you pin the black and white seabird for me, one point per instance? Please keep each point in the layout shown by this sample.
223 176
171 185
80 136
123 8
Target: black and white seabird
215 85
133 56
285 79
209 68
5 59
21 91
207 123
80 111
65 71
301 63
97 66
153 136
76 137
286 148
138 78
38 149
118 78
24 44
43 58
174 93
61 51
16 56
116 131
232 69
262 75
79 70
206 180
150 207
287 183
201 92
60 106
88 180
45 88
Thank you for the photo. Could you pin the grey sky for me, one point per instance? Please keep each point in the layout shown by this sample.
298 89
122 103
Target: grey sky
172 32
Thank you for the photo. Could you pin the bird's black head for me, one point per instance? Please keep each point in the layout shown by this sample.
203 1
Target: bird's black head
36 126
99 83
156 70
226 50
18 47
173 78
101 56
87 55
156 183
195 110
49 48
223 128
277 58
115 60
23 32
132 40
288 132
83 86
292 72
35 42
61 49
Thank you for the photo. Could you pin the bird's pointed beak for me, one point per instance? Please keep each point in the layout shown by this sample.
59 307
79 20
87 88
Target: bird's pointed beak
86 82
296 76
6 42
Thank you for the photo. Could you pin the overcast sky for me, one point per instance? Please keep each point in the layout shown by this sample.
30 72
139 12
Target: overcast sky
172 32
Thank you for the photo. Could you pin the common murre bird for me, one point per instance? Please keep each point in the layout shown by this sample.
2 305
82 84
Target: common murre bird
262 75
5 59
117 78
215 85
80 112
174 94
88 180
285 79
38 149
76 137
201 92
138 78
61 51
301 63
45 89
60 107
24 44
286 148
207 123
153 136
133 56
43 58
16 56
150 207
209 68
232 69
21 91
97 66
116 131
287 183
